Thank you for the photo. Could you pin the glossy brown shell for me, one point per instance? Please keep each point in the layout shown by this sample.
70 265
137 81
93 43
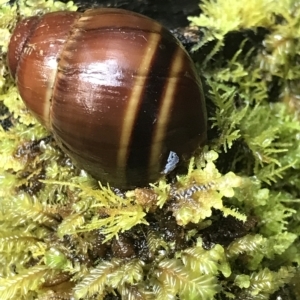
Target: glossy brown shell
117 90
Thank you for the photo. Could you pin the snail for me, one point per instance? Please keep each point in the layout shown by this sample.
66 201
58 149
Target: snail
117 90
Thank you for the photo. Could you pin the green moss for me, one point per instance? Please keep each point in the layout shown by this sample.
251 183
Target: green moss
236 236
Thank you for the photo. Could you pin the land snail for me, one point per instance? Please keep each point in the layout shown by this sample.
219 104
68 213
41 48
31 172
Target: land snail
117 90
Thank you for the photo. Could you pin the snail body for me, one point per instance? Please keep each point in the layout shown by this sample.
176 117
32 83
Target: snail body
116 89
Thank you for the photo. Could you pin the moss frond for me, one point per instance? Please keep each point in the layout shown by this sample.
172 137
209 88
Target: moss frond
55 259
25 209
246 244
267 282
18 286
202 189
134 292
95 281
70 224
118 221
16 250
17 240
175 279
32 7
162 190
201 261
114 274
155 243
107 211
279 243
221 17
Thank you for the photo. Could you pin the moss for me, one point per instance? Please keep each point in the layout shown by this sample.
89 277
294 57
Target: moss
226 229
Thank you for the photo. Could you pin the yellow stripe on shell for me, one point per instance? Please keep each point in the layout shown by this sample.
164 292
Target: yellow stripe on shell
136 97
164 111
